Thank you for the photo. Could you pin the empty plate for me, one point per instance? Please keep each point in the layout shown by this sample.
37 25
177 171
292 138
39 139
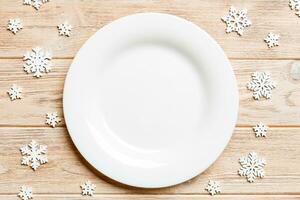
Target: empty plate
150 100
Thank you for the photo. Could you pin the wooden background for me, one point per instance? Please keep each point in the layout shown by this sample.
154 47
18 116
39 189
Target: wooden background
23 120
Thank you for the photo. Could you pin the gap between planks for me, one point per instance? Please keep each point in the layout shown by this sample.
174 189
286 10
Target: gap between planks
230 58
156 194
6 126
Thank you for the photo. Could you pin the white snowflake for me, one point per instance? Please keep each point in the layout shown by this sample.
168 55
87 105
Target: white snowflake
213 187
15 92
261 85
34 154
272 39
35 3
14 25
52 119
236 20
88 188
37 62
25 193
252 167
64 29
260 130
295 5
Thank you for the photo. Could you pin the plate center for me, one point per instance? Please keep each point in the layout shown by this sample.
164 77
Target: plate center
150 93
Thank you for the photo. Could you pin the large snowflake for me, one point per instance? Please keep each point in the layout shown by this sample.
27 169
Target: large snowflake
295 5
35 3
213 187
34 154
37 62
88 188
251 167
25 193
261 85
236 20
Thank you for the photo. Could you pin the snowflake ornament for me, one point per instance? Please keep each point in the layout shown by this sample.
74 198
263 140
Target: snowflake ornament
260 130
35 3
261 85
52 119
213 187
88 188
236 20
272 40
37 62
25 193
34 154
295 5
64 29
252 167
15 92
14 25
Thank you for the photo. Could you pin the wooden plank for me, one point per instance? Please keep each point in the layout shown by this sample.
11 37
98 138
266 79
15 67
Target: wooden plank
88 16
66 169
161 197
45 94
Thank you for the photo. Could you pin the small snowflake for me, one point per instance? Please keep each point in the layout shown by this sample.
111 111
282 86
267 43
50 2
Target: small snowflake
88 188
52 119
236 20
261 85
25 193
272 40
34 155
295 5
35 3
14 25
64 29
213 187
252 167
37 62
260 130
15 92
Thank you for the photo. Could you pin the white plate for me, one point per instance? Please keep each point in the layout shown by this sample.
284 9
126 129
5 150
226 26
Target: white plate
150 100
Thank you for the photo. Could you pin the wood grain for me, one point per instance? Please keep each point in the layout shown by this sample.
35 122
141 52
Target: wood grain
88 16
45 94
66 169
161 197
